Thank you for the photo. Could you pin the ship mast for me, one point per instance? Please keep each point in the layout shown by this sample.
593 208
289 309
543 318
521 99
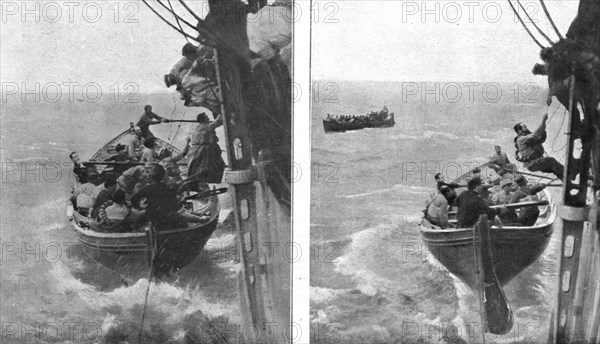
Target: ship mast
576 59
261 303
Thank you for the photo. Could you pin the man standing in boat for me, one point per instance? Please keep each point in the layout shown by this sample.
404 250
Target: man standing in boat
146 119
205 163
530 150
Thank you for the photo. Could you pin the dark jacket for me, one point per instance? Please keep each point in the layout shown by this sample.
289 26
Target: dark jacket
470 207
161 201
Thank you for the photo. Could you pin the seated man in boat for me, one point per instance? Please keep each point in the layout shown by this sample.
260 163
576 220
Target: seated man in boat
503 197
121 156
146 120
135 144
102 194
149 152
527 193
160 202
173 177
441 181
437 209
471 205
451 195
115 216
530 149
82 196
80 171
134 178
499 162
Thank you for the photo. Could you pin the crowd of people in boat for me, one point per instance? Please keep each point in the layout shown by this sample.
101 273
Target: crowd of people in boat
374 116
146 184
511 187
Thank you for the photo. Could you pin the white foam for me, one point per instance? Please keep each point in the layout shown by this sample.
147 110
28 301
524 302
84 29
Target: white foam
439 134
369 282
322 295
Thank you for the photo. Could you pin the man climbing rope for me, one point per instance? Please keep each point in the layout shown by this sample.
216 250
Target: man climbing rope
530 150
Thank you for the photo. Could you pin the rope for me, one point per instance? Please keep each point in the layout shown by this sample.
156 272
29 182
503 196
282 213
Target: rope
176 17
525 26
169 23
533 22
190 10
550 19
153 248
179 126
558 132
171 123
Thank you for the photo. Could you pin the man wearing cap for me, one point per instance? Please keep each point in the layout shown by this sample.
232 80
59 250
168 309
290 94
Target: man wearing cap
146 119
471 205
135 144
530 150
499 162
503 196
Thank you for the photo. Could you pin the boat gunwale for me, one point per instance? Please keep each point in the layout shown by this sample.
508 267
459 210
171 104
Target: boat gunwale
105 235
549 222
213 205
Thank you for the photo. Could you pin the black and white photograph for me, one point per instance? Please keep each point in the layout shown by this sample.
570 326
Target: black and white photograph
146 171
455 152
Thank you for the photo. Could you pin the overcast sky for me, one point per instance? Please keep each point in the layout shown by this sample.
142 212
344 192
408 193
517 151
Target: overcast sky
124 42
430 40
104 42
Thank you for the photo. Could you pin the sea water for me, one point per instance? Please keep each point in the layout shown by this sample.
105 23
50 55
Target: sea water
50 291
372 278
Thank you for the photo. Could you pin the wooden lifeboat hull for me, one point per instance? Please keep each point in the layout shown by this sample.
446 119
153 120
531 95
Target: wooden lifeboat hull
513 248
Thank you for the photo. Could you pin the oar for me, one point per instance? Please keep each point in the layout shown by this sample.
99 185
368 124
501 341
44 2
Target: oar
513 205
525 173
520 205
480 167
205 194
175 121
123 163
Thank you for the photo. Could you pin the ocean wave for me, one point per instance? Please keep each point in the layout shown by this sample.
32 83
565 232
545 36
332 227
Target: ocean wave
440 135
361 253
38 159
324 295
397 189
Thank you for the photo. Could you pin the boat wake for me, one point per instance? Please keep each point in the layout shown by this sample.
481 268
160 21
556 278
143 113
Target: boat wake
378 302
396 189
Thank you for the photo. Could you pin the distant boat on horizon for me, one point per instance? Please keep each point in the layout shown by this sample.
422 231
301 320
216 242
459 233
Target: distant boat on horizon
381 119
